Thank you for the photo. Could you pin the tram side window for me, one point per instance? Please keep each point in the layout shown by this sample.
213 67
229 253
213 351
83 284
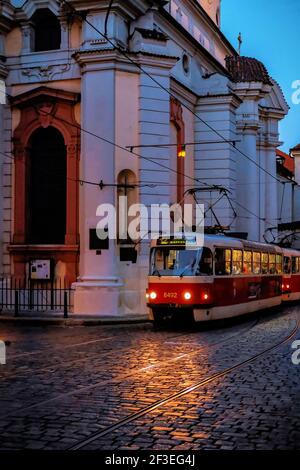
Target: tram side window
279 264
265 263
222 262
237 261
295 264
256 262
206 262
272 263
287 265
247 267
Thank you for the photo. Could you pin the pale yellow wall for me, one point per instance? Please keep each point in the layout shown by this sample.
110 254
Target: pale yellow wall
13 42
77 112
75 35
15 116
211 7
66 85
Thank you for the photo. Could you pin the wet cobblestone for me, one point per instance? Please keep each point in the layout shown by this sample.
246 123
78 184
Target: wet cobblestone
62 385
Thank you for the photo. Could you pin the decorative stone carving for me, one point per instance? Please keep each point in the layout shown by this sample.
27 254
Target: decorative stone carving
46 112
45 71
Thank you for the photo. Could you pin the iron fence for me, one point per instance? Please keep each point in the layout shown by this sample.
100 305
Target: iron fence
27 295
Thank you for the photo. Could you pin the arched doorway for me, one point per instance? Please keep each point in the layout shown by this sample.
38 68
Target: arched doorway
46 187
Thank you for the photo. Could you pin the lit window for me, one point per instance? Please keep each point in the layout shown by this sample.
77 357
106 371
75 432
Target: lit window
279 264
294 264
265 263
272 263
256 262
237 261
247 266
222 262
287 265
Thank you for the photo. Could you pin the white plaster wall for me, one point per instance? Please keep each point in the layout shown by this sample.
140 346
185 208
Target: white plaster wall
199 29
154 128
132 292
284 201
215 163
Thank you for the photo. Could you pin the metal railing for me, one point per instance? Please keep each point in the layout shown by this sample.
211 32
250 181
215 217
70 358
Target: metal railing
26 295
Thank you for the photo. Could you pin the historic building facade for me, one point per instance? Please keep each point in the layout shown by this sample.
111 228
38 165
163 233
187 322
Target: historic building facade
159 76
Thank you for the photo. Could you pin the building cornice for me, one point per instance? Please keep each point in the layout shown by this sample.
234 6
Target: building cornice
25 11
182 91
248 127
219 99
42 92
111 58
271 113
130 9
7 18
251 90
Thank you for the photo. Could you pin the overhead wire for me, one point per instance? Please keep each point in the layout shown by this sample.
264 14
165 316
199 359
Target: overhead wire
141 68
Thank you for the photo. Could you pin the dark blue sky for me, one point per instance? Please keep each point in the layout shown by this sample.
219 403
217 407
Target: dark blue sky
271 33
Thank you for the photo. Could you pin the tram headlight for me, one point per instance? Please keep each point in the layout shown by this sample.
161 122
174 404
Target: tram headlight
187 296
147 295
153 295
205 296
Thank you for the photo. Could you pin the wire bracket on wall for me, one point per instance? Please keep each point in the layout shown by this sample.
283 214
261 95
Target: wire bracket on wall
103 185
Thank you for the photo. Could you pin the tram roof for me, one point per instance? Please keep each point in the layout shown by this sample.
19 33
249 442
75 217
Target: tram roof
221 241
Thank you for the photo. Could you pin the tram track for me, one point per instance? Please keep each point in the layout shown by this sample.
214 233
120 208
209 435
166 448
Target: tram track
123 377
185 391
51 368
69 346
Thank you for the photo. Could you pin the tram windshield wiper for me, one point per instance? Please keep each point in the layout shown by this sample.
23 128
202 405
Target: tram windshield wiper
155 270
190 266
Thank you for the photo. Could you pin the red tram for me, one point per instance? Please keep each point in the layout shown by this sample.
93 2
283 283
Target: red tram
220 278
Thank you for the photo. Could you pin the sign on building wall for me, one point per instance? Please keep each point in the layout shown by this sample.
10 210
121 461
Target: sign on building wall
40 269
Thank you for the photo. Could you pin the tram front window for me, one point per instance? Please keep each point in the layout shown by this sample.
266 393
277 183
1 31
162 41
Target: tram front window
178 262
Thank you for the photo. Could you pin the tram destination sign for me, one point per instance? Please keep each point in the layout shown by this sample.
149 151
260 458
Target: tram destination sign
176 241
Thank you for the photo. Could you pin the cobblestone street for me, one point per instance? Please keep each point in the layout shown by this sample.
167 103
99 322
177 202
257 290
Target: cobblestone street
231 386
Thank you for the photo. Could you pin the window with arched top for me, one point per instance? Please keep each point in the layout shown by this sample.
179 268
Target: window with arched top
47 30
46 187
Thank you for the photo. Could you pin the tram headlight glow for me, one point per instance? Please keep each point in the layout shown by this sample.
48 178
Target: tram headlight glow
153 295
147 295
205 296
187 296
